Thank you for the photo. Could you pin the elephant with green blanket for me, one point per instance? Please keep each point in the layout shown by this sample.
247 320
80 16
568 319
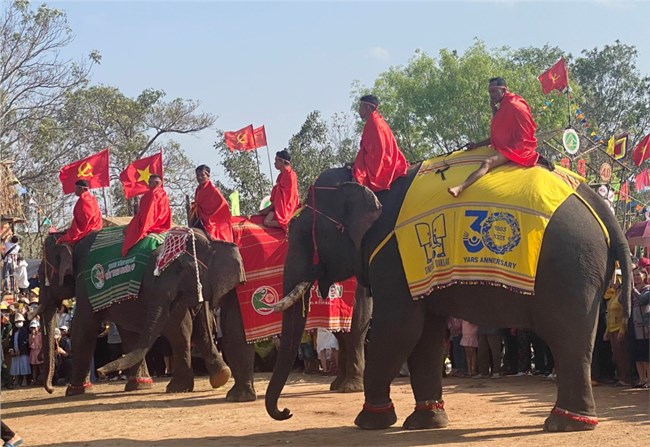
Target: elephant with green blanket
346 222
166 304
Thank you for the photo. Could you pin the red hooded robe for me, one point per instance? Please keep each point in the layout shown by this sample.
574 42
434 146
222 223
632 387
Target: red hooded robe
284 197
213 211
513 131
154 216
379 160
87 218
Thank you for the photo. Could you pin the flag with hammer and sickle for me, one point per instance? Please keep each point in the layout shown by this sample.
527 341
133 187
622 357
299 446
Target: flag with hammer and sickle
93 169
241 140
555 78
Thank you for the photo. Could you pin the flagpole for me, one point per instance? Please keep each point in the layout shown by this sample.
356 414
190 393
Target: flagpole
259 171
268 155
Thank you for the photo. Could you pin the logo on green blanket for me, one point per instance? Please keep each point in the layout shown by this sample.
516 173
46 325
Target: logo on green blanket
97 276
263 300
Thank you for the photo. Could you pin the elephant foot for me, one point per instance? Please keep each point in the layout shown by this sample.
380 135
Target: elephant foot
336 384
563 420
428 414
76 390
220 378
348 386
241 394
180 386
376 417
138 383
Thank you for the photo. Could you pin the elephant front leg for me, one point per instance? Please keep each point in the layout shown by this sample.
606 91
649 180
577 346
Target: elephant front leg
203 337
396 328
425 366
239 354
178 332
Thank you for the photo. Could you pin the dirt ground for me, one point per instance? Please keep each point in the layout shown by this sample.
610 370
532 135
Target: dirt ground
507 411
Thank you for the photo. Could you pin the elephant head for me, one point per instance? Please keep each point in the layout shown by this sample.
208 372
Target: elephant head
324 245
56 286
218 271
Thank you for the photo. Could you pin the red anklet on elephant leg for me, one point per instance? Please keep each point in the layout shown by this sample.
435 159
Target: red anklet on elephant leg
378 409
141 379
87 385
574 416
430 405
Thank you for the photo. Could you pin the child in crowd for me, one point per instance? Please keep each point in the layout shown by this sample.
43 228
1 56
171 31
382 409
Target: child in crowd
470 342
328 351
35 346
641 324
459 361
615 331
307 354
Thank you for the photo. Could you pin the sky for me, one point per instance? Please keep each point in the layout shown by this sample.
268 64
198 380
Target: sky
272 63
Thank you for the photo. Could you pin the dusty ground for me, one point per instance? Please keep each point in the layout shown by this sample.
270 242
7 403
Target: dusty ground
508 411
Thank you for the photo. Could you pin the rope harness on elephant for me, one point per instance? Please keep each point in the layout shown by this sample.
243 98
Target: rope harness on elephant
315 211
175 245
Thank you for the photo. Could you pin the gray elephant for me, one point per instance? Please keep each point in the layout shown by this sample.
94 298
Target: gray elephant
575 264
166 304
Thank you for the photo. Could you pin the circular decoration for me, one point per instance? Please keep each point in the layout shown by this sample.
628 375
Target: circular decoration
602 191
97 276
605 172
263 300
571 141
501 233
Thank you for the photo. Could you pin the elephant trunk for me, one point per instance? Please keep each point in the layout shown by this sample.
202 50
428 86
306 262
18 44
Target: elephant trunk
292 297
154 322
48 311
293 325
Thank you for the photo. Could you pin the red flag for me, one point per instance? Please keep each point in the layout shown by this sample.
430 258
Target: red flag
642 151
624 193
135 178
642 181
555 78
260 137
241 140
93 169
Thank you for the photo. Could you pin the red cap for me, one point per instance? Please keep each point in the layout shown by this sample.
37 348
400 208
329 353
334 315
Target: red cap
644 262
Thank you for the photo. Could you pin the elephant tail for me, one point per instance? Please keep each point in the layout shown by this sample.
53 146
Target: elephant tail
293 325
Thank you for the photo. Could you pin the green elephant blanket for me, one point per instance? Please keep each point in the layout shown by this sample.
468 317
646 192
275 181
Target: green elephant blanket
110 278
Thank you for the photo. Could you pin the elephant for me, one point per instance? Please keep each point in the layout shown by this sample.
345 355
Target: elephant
343 222
241 355
169 299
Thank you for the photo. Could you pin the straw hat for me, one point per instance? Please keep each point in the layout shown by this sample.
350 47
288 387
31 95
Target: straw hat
19 317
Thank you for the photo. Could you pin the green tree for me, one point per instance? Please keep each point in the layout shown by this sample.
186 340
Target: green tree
34 79
318 145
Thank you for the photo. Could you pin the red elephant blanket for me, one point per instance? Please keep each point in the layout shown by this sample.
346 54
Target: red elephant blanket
263 251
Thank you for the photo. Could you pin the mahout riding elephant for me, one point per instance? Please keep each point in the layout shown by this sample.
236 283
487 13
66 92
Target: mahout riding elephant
343 223
168 301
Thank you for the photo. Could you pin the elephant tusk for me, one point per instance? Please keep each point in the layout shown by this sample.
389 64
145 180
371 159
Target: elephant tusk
292 297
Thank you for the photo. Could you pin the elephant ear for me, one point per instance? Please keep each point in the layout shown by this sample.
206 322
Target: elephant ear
362 209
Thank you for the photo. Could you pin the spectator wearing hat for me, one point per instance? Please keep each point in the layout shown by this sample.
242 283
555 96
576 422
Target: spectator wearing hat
210 210
641 326
87 217
20 367
63 317
644 263
379 160
63 364
35 346
284 196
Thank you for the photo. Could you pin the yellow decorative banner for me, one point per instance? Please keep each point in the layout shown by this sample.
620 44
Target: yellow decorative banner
491 234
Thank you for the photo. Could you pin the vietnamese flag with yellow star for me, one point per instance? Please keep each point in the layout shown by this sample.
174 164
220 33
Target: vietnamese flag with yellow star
135 178
93 169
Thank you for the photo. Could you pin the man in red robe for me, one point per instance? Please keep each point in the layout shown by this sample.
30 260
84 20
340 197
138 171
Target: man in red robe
512 134
211 211
379 160
284 195
87 215
154 215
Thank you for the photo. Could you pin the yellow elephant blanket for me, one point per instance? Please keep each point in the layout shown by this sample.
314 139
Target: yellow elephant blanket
490 234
